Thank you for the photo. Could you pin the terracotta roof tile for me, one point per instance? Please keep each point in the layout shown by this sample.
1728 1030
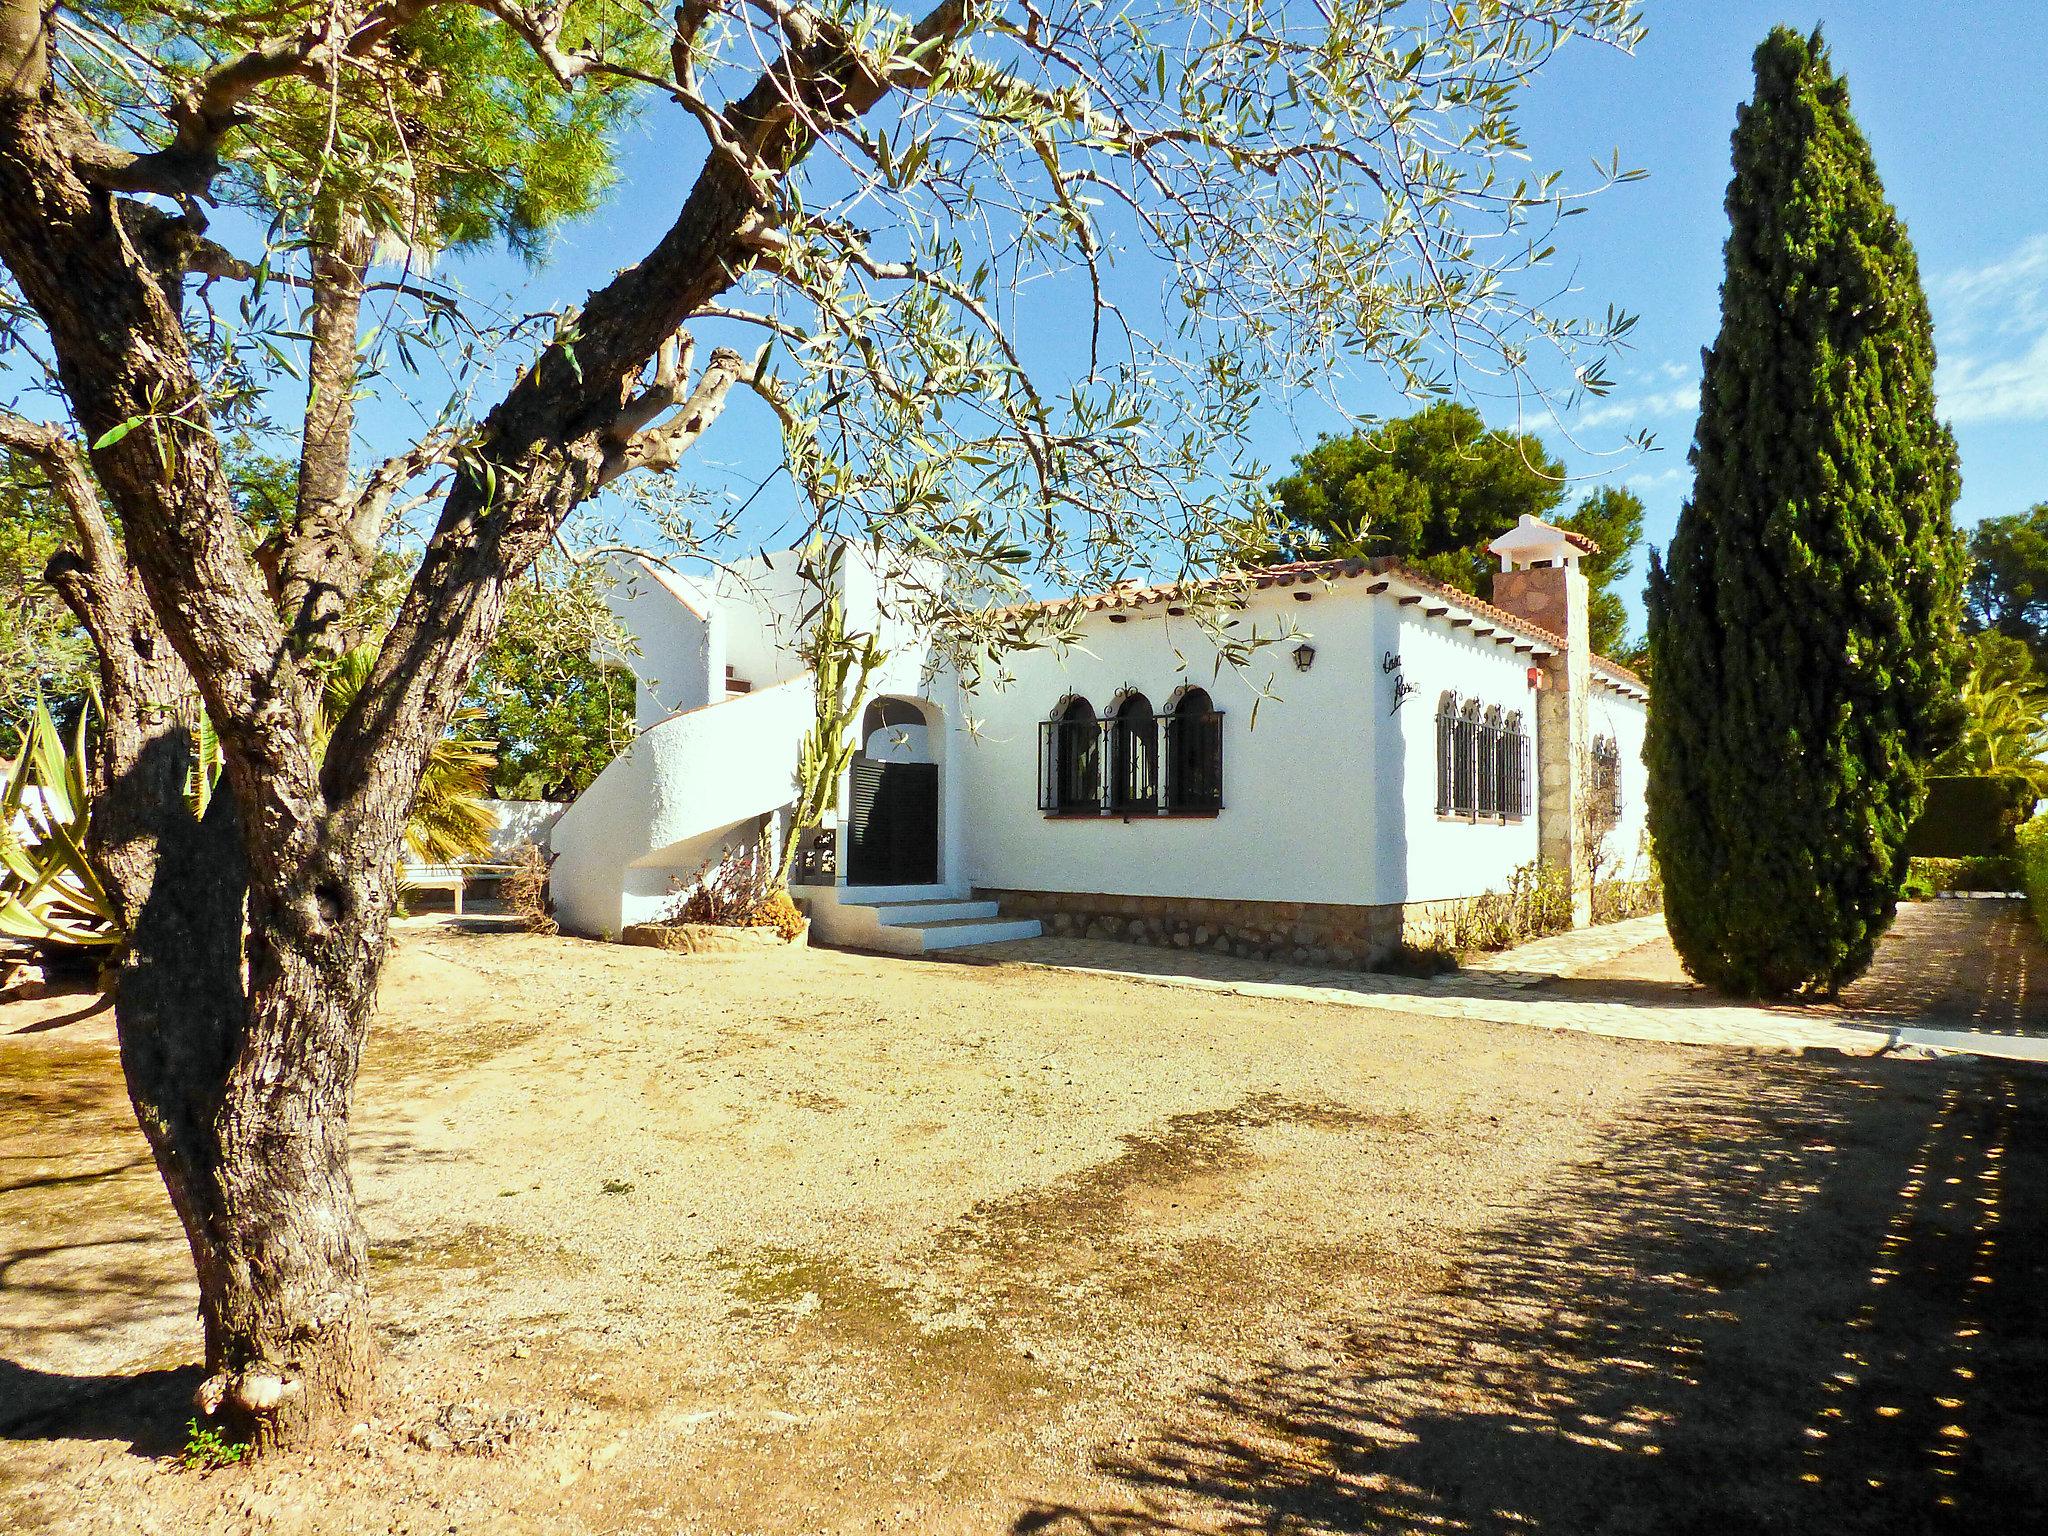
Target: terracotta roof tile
1291 573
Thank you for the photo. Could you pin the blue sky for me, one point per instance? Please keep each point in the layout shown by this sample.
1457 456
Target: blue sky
1952 94
1954 99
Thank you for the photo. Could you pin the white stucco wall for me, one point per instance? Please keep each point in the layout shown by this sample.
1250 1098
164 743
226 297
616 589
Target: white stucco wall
1424 856
762 602
521 821
1298 789
680 662
1329 797
1626 720
715 769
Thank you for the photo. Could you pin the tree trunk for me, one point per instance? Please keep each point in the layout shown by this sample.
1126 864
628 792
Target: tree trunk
243 1078
318 559
253 1151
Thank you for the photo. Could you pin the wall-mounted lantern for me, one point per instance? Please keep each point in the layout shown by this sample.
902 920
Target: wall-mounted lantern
1304 657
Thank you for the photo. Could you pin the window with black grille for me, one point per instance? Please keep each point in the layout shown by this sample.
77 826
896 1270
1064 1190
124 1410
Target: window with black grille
1134 762
1194 754
1070 761
1482 761
1134 756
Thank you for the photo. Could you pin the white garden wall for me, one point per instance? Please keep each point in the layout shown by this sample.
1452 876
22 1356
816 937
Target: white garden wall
521 821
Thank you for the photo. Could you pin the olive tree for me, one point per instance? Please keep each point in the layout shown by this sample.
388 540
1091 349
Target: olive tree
885 218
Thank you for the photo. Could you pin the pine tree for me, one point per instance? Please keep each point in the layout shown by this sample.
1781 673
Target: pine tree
1803 628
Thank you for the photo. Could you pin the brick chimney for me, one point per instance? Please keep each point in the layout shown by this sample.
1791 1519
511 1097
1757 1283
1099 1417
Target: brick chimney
1539 580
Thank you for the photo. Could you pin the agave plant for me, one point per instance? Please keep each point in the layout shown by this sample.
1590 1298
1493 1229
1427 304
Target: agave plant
49 892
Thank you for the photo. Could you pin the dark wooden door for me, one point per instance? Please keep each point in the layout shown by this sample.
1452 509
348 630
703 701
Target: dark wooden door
894 834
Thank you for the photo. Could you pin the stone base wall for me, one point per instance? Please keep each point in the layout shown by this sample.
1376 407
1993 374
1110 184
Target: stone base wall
1306 933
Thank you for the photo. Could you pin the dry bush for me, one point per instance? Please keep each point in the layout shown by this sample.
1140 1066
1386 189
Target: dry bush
1614 900
524 889
737 889
1535 903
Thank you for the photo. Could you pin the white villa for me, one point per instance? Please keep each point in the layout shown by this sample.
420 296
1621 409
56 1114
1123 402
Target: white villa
1415 746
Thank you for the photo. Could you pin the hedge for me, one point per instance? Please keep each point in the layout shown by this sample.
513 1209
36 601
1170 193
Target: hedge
1970 817
1942 877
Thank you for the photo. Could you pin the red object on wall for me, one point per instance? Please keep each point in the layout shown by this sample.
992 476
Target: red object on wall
1535 677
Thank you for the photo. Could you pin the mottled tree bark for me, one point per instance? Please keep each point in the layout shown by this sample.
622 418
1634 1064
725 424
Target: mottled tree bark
257 933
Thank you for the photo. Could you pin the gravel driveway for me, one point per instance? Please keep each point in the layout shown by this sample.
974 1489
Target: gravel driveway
826 1242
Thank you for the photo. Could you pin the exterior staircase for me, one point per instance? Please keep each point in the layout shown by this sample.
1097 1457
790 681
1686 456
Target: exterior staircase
680 792
909 919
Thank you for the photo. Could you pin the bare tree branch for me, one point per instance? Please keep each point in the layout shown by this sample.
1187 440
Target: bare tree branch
639 441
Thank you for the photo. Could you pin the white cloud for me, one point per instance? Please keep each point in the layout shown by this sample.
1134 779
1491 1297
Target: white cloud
1974 388
1644 410
1991 323
1992 289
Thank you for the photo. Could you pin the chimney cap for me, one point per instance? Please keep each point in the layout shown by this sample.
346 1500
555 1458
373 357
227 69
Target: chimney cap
1533 542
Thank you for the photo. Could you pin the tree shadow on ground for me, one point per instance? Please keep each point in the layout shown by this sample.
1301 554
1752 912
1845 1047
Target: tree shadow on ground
91 1002
1976 964
1806 1298
147 1409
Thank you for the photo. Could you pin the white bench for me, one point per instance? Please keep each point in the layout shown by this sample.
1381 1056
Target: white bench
452 878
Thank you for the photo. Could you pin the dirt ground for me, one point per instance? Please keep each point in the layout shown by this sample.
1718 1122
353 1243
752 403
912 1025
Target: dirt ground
825 1242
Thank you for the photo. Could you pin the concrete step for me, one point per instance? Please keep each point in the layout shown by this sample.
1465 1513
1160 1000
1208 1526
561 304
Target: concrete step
919 914
958 935
896 895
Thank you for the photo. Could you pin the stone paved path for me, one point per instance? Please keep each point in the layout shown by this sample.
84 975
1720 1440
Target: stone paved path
1968 976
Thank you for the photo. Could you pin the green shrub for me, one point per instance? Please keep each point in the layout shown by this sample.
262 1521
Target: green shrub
2033 857
1802 624
1969 817
1926 878
208 1450
1535 903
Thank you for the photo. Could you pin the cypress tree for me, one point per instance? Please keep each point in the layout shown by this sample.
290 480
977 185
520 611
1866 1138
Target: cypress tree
1803 626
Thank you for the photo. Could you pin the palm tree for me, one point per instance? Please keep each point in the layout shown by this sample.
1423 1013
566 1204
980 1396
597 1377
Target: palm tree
2005 709
449 820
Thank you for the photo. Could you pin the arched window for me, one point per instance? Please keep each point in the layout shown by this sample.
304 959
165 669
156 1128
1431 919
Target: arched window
1512 752
1134 756
1446 754
1070 760
1465 793
1489 764
1194 754
1603 790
